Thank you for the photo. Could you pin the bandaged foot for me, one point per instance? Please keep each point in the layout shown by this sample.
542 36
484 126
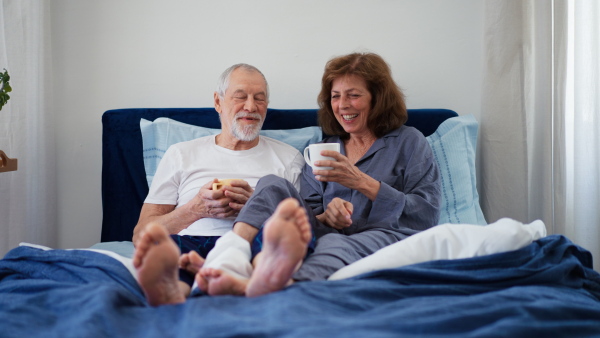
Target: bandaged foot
217 282
285 236
227 267
156 261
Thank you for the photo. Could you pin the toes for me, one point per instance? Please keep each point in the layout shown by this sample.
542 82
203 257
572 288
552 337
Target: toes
184 261
202 282
196 259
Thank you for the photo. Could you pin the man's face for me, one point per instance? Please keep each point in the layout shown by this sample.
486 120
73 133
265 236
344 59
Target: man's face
244 107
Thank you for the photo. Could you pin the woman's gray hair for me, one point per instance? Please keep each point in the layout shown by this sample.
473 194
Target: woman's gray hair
223 82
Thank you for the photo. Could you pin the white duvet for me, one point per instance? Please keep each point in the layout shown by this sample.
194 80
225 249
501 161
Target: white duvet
448 241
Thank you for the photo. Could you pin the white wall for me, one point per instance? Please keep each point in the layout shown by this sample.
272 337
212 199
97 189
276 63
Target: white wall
168 53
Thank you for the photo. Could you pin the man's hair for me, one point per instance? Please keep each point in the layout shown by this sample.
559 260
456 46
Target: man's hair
388 109
223 82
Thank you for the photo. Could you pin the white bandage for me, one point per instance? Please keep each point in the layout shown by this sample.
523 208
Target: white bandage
232 255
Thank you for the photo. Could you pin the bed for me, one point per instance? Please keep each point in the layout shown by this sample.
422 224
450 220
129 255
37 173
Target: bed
462 278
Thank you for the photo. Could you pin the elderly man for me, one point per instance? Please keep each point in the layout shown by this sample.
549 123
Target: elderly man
182 198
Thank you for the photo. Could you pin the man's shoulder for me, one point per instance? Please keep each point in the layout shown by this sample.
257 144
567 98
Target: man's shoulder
194 142
278 146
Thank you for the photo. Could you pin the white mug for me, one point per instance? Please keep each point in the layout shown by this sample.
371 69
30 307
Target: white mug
312 153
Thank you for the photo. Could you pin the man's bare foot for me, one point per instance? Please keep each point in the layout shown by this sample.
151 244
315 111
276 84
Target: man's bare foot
192 262
285 236
156 260
217 282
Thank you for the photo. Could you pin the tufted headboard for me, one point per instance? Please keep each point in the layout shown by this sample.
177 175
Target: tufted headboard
124 185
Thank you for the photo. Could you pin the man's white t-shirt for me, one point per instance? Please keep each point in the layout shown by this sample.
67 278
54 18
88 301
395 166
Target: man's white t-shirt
187 166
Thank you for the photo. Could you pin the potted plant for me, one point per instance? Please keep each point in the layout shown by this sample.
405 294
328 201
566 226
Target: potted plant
4 89
6 163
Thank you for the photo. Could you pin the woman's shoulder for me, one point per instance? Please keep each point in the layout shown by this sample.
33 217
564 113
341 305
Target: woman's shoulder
405 132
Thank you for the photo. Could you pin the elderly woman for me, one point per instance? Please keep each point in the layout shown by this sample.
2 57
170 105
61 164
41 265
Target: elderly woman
385 170
384 186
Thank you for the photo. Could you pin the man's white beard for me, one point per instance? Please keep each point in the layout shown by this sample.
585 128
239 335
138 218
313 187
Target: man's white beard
246 132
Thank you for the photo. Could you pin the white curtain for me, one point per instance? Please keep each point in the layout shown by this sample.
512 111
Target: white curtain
539 140
27 196
582 114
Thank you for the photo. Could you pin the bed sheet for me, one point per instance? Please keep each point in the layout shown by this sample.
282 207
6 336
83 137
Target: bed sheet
547 288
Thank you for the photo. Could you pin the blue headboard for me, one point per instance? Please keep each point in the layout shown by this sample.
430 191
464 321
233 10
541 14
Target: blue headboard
124 185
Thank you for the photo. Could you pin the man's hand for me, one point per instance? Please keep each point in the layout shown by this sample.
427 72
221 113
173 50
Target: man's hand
337 215
239 191
209 203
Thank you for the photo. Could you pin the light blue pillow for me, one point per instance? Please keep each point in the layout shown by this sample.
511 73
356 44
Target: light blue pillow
158 135
454 146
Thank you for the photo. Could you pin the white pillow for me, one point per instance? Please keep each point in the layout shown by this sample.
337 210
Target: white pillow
454 146
448 241
158 135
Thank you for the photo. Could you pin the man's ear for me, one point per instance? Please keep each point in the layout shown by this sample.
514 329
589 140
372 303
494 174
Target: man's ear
217 100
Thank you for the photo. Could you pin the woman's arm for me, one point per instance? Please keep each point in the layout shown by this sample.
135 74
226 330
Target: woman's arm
411 200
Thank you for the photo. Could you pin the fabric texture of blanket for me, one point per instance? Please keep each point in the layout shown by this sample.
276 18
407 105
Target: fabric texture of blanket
547 288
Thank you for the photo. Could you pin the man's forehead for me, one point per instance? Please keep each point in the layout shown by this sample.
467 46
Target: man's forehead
242 81
242 74
245 91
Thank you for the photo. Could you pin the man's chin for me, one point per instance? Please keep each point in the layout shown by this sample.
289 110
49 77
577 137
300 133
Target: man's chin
247 132
246 135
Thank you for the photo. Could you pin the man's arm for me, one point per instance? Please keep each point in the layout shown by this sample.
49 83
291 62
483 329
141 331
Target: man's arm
165 214
207 203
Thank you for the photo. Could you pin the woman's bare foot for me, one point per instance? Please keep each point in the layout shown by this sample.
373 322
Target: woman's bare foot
156 260
217 282
192 262
285 236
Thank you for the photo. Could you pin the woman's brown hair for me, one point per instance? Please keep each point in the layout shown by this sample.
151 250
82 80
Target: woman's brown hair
388 109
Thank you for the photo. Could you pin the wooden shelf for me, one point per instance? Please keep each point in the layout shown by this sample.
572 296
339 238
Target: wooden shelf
6 163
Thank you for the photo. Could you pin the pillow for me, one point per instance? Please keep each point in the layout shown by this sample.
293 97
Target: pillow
454 146
157 136
448 241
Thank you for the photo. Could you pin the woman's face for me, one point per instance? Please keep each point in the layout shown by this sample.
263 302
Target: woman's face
351 103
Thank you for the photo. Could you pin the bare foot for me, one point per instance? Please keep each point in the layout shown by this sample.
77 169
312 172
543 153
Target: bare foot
217 282
192 262
285 236
156 260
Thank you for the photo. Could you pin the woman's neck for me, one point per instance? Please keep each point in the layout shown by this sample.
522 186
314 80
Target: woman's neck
358 145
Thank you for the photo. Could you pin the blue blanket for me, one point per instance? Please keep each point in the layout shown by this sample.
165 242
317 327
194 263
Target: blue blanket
545 289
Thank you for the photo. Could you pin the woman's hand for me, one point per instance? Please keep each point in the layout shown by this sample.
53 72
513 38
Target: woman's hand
337 214
346 174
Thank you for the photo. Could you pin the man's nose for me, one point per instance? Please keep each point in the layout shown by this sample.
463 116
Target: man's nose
250 104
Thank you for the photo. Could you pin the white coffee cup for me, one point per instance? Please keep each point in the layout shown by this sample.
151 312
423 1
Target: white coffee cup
312 153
